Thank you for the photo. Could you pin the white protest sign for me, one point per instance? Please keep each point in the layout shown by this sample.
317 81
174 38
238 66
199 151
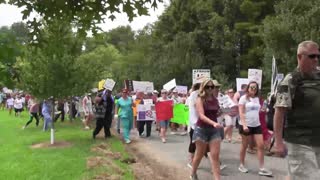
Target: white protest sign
199 75
255 75
146 112
147 101
280 76
240 82
142 86
182 89
169 85
109 84
225 102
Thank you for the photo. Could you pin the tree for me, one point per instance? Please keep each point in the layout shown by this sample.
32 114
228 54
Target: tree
86 14
294 21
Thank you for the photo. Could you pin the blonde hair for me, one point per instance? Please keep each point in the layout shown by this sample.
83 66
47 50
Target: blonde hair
306 44
202 92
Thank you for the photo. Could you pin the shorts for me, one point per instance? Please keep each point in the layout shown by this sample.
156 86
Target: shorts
230 121
252 130
303 161
207 134
17 110
164 123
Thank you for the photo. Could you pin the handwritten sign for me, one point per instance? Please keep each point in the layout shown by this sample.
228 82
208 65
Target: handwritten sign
255 75
109 84
182 89
199 75
142 86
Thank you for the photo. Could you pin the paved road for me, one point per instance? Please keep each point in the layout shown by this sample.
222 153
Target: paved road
176 149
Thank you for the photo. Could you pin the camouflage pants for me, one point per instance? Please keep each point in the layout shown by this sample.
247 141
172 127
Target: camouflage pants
303 162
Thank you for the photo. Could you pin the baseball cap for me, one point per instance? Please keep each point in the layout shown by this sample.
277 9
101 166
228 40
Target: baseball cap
155 92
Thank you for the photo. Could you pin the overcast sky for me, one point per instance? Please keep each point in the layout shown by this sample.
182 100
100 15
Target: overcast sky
10 14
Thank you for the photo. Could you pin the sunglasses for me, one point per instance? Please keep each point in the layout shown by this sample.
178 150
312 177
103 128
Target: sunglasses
209 87
313 56
164 93
230 92
253 87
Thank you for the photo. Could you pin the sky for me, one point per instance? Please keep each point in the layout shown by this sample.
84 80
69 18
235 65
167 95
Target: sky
10 14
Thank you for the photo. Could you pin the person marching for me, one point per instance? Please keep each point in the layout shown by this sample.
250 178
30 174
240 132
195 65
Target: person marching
208 132
100 113
125 115
249 108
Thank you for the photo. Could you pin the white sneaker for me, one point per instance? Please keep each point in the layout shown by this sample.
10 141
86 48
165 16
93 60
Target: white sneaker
183 133
222 166
189 165
23 127
128 141
87 128
173 133
265 172
243 169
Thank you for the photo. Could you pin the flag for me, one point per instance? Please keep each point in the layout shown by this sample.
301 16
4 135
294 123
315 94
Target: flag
274 79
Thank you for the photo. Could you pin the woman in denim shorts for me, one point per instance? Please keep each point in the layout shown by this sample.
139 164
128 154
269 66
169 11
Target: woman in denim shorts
208 132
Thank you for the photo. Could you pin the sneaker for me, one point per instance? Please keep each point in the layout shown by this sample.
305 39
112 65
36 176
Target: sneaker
87 128
265 172
173 133
194 177
128 141
189 165
222 166
243 169
23 127
163 140
183 133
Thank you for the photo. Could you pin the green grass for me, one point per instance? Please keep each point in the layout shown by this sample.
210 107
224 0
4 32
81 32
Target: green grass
19 161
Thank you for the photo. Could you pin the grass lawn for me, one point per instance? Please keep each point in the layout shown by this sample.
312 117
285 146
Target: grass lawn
19 161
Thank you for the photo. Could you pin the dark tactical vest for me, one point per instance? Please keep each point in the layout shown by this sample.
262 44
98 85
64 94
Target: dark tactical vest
303 120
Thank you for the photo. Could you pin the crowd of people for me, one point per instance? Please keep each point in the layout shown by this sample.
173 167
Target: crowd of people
296 105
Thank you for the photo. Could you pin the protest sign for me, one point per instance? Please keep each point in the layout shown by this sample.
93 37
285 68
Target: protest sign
240 82
225 102
109 84
147 101
146 112
255 75
180 114
169 85
199 75
128 85
182 89
142 86
164 110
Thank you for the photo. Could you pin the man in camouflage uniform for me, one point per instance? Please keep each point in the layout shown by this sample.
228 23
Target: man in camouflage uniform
298 98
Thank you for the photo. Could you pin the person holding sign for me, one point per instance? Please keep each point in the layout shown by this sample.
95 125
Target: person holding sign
249 108
125 115
164 123
208 132
231 116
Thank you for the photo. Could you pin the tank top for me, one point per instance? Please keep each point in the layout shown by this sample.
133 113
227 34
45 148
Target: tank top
211 108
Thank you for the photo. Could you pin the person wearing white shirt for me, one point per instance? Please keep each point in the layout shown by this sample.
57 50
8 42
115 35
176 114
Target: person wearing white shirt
18 106
249 107
10 102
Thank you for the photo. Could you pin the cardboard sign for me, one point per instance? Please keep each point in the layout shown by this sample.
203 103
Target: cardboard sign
182 89
164 110
109 84
255 75
240 82
225 102
142 86
101 84
199 75
146 112
170 85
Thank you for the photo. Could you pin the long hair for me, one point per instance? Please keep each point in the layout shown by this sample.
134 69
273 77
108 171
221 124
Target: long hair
247 89
202 92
